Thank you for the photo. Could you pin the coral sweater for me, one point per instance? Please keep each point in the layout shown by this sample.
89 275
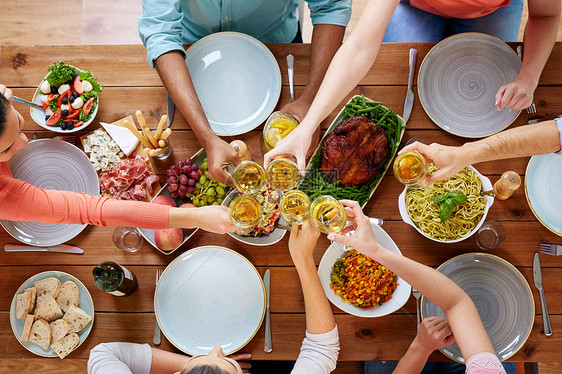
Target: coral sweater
20 201
459 8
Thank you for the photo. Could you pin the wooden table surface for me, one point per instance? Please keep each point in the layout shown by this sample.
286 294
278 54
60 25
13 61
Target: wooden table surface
130 84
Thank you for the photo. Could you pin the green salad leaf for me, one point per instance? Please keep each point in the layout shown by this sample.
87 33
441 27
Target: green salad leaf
85 75
448 203
60 74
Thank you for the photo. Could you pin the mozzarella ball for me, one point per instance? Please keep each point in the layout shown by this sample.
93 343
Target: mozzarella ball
48 112
44 98
87 86
63 88
64 107
45 87
78 102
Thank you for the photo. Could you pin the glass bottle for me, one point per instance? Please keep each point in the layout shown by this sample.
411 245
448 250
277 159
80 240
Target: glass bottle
115 279
506 185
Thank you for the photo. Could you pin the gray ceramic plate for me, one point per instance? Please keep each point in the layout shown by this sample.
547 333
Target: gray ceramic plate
458 82
502 296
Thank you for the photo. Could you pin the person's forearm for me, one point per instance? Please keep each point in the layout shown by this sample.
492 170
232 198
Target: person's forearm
176 78
521 141
326 39
164 362
319 317
413 360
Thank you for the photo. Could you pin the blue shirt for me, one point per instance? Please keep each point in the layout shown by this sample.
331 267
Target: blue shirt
165 25
559 125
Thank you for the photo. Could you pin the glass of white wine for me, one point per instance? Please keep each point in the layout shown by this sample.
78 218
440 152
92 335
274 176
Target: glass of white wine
248 177
328 214
245 211
294 207
283 174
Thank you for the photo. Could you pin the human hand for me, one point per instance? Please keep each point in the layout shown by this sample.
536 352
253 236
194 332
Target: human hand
6 92
295 144
244 365
214 218
449 160
516 95
302 241
219 155
297 108
433 333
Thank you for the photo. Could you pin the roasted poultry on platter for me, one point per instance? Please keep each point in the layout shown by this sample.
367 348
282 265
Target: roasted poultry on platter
354 151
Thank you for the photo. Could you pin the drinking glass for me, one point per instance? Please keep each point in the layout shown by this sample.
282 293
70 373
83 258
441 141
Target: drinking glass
248 177
127 239
245 211
410 168
490 235
283 174
294 207
328 214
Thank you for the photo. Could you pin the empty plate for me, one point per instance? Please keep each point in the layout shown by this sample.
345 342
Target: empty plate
458 82
502 296
209 296
53 165
237 80
543 183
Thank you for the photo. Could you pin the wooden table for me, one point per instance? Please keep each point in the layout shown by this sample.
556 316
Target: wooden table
130 84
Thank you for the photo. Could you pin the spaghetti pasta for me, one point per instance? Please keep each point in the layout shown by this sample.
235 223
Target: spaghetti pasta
424 212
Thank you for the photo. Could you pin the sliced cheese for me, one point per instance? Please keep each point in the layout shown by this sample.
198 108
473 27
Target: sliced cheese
124 138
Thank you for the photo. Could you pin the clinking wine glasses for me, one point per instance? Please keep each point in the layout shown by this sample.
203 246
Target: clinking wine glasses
283 174
294 207
328 214
245 211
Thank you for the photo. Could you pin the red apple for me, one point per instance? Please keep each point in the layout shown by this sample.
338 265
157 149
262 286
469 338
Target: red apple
164 200
187 205
168 239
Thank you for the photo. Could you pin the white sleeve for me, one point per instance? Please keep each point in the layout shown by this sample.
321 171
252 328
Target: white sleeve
120 358
319 353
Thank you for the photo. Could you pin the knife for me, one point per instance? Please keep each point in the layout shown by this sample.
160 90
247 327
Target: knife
63 248
267 346
537 277
541 119
409 103
170 109
290 68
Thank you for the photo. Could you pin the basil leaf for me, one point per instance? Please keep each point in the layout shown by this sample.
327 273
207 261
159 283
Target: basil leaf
458 198
439 198
444 212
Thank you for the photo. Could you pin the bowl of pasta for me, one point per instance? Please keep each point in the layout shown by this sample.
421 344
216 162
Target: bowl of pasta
421 208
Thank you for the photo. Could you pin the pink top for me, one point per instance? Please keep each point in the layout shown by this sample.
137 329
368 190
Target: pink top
20 201
484 363
459 8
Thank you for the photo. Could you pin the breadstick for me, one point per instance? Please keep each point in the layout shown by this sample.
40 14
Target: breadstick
162 143
165 134
145 129
160 127
147 150
156 152
136 132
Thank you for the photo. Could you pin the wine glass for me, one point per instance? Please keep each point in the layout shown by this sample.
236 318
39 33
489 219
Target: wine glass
283 174
294 207
410 168
248 177
245 211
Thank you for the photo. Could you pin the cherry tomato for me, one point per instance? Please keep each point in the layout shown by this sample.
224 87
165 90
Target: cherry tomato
88 106
52 97
78 87
73 114
54 118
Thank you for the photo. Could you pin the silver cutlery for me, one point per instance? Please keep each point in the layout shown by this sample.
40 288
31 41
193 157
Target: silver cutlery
157 340
551 249
531 108
63 248
409 102
267 346
537 277
541 119
23 101
417 296
290 67
170 109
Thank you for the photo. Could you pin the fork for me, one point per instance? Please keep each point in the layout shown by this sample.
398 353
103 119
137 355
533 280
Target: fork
417 295
531 108
551 249
156 340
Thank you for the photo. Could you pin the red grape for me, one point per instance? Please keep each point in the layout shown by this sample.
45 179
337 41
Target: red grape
191 182
183 179
173 187
176 169
174 195
181 191
186 168
187 161
194 175
171 180
170 172
190 189
179 164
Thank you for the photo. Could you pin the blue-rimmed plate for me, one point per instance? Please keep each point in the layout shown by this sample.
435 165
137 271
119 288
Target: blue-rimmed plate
501 294
53 165
237 80
543 183
86 304
335 253
209 296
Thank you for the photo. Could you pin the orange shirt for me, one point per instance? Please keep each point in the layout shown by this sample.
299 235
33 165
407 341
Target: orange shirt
20 201
459 8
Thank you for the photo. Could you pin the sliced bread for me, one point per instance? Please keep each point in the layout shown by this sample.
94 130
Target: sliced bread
27 327
47 287
33 292
77 319
66 345
48 309
41 334
59 329
69 295
23 305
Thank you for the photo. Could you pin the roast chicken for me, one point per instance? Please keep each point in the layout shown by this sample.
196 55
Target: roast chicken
354 151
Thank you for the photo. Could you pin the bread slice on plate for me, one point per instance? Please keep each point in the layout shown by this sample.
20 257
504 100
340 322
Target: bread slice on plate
48 309
47 287
27 327
77 318
59 329
69 295
33 292
40 334
23 305
66 345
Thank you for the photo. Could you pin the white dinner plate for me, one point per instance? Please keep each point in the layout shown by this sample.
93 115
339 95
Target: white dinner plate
237 80
53 165
334 253
86 304
458 82
543 184
209 296
502 297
